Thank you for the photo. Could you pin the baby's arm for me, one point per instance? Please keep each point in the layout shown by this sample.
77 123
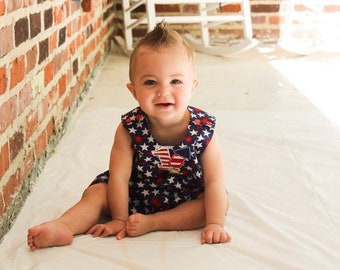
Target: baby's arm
120 171
215 197
117 195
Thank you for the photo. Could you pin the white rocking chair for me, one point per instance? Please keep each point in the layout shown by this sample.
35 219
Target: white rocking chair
203 18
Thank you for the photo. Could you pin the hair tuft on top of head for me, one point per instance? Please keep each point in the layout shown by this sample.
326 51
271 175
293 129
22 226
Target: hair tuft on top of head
162 36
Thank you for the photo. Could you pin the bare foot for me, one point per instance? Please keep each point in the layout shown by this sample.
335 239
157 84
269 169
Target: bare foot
52 233
139 224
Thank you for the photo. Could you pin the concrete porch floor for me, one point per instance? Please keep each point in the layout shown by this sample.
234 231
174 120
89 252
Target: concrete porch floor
276 120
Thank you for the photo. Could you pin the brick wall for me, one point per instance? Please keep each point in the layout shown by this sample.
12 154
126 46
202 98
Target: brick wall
49 51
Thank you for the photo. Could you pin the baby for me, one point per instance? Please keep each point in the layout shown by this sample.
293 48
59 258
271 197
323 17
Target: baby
166 168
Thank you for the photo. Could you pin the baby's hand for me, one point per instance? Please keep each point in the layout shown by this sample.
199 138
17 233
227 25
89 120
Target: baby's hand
114 227
214 234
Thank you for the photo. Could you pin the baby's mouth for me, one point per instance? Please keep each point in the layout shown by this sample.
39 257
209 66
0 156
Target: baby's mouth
165 104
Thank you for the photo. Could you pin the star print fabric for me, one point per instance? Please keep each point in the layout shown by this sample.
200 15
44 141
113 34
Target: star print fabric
165 176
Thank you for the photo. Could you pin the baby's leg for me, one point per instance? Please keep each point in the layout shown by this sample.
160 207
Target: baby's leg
187 216
77 220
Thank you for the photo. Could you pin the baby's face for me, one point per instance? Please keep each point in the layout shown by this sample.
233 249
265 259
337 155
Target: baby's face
163 80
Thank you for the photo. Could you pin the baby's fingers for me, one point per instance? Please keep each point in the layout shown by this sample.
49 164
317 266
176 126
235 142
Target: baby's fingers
121 234
214 237
96 230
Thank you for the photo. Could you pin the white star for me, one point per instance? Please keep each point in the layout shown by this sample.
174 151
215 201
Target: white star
145 192
178 185
171 179
144 147
155 192
132 130
200 138
156 146
182 145
140 184
193 132
145 131
198 145
206 133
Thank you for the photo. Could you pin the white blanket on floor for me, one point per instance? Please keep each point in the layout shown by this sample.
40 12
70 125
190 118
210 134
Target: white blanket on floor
283 177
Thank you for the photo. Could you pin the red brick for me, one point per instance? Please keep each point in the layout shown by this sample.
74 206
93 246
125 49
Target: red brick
74 7
72 47
16 143
62 85
31 124
258 19
2 7
3 80
4 159
8 112
11 187
17 71
263 8
50 128
65 104
89 49
57 62
28 163
43 109
48 18
27 3
72 95
274 20
24 98
53 41
21 31
58 14
7 41
169 8
13 5
31 58
53 96
40 144
231 8
48 72
65 56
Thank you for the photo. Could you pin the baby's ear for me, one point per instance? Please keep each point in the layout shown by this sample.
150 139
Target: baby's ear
131 89
194 86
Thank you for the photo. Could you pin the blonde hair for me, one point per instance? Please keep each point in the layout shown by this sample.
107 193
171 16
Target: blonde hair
160 37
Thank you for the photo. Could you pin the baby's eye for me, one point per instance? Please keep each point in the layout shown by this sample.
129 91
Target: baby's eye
176 81
150 82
